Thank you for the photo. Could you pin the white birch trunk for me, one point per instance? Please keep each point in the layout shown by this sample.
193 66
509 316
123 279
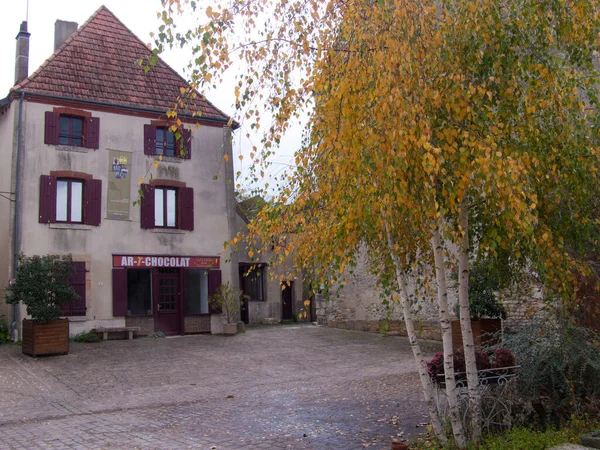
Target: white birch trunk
428 389
442 293
465 325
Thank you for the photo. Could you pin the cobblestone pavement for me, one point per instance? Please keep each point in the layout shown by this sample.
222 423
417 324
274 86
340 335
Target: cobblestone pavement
296 387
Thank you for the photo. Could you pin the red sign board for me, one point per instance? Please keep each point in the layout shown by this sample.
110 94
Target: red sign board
200 262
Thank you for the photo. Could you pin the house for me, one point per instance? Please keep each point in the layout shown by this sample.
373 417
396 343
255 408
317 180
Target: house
83 138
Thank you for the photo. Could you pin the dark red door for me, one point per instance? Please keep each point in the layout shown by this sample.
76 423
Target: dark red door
167 306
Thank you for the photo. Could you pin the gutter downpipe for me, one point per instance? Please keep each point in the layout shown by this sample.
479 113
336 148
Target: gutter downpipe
13 329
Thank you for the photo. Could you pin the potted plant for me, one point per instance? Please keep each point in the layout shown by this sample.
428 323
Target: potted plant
486 310
42 284
226 299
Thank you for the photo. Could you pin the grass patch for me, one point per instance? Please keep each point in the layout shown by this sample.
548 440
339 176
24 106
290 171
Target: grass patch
87 338
523 438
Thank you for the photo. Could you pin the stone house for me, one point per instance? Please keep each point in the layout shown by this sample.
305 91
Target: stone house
83 138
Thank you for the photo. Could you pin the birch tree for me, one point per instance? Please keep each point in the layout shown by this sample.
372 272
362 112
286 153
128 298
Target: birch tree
470 123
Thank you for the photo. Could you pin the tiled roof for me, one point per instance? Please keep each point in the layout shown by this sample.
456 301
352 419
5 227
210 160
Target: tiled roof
98 63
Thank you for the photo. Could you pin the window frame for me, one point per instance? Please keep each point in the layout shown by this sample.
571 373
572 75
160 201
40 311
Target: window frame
71 133
69 205
165 206
150 140
258 279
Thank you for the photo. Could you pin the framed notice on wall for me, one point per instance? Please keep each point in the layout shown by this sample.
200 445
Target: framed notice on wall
119 185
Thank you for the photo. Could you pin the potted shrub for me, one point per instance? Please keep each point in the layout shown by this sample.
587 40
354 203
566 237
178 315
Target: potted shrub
486 310
226 299
42 284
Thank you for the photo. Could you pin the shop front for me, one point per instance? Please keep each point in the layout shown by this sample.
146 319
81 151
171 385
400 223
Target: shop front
165 293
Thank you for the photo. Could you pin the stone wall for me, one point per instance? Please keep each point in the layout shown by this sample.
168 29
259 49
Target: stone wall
358 305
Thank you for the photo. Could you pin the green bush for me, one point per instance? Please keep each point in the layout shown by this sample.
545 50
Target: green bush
4 333
42 284
522 438
560 370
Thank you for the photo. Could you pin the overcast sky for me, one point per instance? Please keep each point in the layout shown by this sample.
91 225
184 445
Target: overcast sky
140 17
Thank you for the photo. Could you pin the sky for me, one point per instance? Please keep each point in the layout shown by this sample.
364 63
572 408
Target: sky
140 17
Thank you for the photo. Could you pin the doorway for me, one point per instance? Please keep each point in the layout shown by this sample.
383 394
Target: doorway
167 307
287 307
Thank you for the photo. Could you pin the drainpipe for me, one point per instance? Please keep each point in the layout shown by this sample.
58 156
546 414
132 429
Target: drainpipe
13 329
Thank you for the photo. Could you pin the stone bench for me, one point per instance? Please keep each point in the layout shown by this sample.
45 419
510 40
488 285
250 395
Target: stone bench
107 330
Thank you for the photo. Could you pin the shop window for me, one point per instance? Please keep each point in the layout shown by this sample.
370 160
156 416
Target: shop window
77 282
196 291
76 199
65 126
161 140
252 282
139 292
167 207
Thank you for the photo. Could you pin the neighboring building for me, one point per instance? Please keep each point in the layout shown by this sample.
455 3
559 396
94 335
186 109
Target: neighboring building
75 138
268 292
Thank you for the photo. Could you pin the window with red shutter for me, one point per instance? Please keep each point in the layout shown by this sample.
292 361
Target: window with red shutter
161 141
147 207
187 209
214 281
119 289
72 129
77 282
70 200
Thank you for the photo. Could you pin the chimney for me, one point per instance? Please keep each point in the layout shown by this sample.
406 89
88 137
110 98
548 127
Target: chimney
22 58
62 31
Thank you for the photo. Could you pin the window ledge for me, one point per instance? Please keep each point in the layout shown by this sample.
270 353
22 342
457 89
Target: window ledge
69 226
72 148
76 318
168 231
169 159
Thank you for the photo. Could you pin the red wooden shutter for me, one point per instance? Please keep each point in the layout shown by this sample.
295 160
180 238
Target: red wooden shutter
93 202
52 128
92 132
47 199
149 140
187 209
147 207
119 287
187 143
214 281
77 282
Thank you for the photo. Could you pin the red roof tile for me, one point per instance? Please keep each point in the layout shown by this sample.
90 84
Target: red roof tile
98 63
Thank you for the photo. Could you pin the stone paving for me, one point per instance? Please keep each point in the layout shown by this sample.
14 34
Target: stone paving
284 387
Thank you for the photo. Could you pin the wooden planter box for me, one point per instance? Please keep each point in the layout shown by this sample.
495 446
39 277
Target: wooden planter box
483 332
51 338
230 328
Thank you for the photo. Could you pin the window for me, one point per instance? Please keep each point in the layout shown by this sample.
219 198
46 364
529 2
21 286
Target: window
70 197
165 142
196 291
167 207
252 282
139 292
67 126
160 140
69 201
70 130
77 282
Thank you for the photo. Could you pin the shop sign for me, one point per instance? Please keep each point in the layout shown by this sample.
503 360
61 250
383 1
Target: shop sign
202 262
